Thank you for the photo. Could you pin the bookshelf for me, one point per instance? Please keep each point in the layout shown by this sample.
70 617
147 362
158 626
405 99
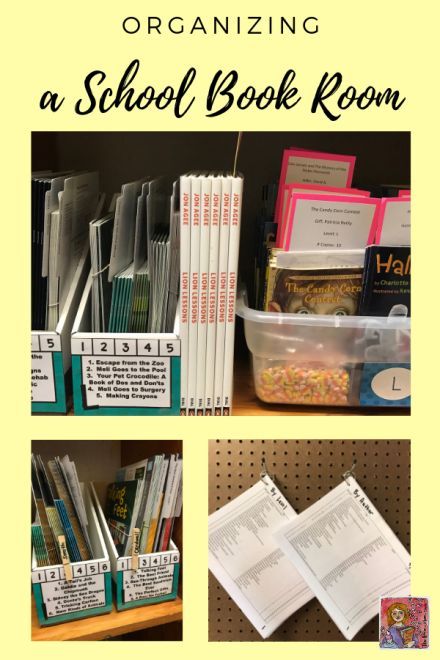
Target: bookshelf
382 157
97 461
259 160
108 626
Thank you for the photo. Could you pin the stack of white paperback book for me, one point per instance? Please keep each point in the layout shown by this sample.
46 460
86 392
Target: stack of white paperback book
340 550
210 217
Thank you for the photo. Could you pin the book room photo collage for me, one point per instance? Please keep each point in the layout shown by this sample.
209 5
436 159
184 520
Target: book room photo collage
188 274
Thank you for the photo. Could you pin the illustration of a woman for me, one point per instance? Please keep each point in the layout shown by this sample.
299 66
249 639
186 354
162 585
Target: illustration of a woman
400 634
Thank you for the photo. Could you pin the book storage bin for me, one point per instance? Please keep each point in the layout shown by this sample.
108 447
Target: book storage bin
157 577
50 352
89 592
123 373
328 360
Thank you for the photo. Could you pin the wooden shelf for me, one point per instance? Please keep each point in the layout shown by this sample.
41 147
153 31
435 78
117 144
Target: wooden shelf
109 625
246 401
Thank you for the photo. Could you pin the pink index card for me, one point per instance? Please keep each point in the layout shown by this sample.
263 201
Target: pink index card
330 222
404 193
394 221
314 167
291 188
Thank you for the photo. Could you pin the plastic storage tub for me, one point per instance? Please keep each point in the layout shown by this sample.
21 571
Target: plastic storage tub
328 360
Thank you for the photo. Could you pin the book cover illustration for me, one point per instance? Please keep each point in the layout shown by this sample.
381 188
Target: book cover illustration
387 280
332 291
119 508
404 623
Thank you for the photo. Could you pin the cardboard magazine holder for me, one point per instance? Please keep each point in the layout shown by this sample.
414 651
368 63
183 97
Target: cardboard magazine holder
123 373
51 355
157 577
88 593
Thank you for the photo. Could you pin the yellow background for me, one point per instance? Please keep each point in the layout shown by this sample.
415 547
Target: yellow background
54 45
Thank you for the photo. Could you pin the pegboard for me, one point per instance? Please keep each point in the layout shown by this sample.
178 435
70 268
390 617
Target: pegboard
305 470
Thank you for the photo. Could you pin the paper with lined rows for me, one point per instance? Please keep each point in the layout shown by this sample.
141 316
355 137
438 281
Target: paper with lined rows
248 563
348 556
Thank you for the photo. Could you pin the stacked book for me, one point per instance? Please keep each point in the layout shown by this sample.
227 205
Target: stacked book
134 275
210 216
146 496
59 511
329 248
63 203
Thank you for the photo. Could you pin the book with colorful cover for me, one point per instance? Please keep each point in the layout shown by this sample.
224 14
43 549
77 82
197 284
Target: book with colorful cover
119 511
332 291
387 281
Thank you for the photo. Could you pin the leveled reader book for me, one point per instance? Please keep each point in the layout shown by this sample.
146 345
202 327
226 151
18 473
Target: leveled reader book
386 282
39 545
347 554
79 204
65 494
394 221
288 198
169 501
140 247
45 189
151 501
313 167
159 271
120 510
71 541
101 232
177 512
146 495
46 491
62 205
60 509
43 521
140 306
39 188
157 506
122 250
194 290
330 222
75 489
214 236
208 281
222 290
232 277
142 471
185 264
174 234
121 301
134 268
267 234
332 291
202 323
244 557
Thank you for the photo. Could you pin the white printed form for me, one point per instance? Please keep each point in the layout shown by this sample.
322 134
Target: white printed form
248 563
396 222
348 556
329 222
